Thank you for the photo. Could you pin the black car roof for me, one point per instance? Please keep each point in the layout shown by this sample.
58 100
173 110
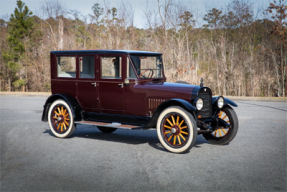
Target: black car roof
87 52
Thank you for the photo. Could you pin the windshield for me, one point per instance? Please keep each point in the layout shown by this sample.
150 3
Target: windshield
148 66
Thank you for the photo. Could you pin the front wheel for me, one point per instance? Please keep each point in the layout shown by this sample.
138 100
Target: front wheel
176 129
61 120
221 135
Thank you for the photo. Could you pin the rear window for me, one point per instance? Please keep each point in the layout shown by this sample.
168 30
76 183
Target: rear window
66 66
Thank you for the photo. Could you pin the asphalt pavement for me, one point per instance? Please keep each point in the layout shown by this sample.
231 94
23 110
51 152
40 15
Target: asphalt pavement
32 159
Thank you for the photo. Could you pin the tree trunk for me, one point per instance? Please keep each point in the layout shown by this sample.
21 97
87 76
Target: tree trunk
277 73
61 34
9 85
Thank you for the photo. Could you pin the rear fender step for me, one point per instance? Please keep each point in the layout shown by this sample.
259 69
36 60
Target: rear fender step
113 125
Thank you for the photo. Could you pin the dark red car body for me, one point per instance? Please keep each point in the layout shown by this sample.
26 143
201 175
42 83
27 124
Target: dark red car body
136 102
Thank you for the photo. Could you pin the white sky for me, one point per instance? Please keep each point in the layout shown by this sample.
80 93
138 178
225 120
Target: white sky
197 7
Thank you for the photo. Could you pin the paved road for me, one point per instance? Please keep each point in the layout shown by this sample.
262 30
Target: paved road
33 159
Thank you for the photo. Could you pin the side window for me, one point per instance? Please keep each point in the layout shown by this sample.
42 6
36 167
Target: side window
66 66
111 67
130 71
87 67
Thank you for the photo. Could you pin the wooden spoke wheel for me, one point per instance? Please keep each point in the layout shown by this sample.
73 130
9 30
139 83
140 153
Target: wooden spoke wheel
223 135
176 129
60 119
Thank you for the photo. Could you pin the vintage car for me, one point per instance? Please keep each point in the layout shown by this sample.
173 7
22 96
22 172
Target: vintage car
114 89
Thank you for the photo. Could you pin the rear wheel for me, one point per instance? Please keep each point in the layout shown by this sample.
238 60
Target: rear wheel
107 129
61 120
176 129
223 135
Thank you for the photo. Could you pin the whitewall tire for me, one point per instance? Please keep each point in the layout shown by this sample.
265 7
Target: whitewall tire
61 120
176 129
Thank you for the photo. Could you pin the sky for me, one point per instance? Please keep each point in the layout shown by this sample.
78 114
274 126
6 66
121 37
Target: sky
198 7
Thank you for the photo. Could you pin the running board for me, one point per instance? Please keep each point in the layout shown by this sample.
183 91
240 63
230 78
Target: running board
113 125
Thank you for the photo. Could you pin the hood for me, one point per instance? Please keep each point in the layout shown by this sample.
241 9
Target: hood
167 90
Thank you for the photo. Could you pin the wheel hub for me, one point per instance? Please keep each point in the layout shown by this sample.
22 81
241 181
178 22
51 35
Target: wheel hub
175 130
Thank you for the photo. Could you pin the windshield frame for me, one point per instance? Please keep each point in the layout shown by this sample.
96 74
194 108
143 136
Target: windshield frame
146 55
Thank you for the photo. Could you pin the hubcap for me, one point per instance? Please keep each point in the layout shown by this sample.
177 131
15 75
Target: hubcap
173 130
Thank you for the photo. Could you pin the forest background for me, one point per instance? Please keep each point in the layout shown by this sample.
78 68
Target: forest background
235 51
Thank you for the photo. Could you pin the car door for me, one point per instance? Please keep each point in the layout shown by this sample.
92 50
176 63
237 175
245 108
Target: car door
111 84
87 93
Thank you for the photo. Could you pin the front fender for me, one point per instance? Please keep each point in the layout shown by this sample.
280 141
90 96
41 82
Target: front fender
226 101
71 101
172 102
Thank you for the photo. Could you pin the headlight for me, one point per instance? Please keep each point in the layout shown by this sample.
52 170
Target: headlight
199 104
220 102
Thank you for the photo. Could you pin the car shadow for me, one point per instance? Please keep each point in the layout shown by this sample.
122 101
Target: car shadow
133 137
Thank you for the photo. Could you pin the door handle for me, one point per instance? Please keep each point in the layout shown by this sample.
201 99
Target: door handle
94 84
121 85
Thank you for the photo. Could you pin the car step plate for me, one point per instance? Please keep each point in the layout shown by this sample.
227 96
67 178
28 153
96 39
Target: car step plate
113 125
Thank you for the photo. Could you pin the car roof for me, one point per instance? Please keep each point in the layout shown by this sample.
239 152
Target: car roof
87 52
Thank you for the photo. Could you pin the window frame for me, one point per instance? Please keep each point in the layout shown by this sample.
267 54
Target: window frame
123 68
163 75
95 66
77 67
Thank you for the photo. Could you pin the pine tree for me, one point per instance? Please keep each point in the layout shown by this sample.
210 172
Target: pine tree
19 30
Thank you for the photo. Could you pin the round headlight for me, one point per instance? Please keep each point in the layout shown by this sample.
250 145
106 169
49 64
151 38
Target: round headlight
199 104
220 102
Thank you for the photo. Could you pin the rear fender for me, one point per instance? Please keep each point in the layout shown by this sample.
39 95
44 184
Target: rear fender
76 109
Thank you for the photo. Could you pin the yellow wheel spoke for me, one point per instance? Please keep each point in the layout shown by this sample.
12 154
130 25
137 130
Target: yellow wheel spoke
182 136
59 110
227 122
170 137
169 122
61 126
219 133
55 117
178 139
173 119
219 114
58 126
64 126
167 127
224 117
57 113
215 133
183 127
181 123
66 122
167 132
65 111
174 140
177 120
67 119
184 132
223 131
62 110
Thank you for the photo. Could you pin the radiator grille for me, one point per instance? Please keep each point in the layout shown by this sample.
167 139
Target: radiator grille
207 106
